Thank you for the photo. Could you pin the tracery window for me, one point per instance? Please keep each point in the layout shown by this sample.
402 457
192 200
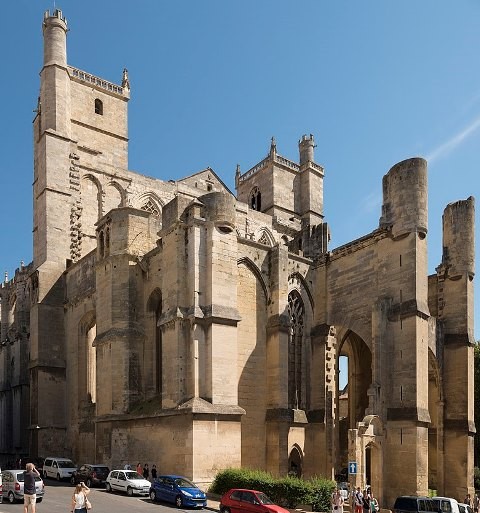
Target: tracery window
256 199
296 312
150 206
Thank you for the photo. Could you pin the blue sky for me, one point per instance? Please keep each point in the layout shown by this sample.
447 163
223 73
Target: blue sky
212 81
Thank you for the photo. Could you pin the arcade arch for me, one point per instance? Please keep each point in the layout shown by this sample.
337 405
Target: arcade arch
353 380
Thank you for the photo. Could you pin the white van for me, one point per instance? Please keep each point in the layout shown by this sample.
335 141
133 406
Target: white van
61 468
446 504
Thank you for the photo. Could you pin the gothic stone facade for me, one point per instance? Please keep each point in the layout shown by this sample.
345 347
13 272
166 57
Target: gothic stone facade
177 323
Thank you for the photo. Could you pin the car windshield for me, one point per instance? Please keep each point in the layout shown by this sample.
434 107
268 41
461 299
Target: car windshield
20 478
133 475
184 483
263 498
100 469
66 464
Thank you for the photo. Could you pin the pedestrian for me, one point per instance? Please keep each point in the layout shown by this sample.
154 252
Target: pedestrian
468 500
127 466
366 501
374 507
139 468
358 500
146 471
29 492
79 498
337 501
476 503
154 472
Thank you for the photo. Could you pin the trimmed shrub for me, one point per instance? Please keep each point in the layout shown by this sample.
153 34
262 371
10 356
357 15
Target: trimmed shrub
287 491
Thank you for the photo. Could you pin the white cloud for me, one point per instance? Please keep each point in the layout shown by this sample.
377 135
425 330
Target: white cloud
372 202
448 146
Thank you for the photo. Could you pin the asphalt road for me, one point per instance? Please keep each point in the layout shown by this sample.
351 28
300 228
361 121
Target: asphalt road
57 499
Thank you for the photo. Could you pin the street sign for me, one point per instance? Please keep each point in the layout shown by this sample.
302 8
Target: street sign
352 467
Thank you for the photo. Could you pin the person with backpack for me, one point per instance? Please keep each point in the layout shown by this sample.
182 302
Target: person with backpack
358 500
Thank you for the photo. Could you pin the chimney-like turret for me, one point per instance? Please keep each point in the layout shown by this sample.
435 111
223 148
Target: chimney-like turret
55 38
306 146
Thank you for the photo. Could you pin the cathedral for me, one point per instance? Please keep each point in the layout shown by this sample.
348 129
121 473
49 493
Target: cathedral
182 324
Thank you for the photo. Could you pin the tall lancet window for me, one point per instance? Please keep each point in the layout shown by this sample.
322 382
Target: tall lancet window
296 311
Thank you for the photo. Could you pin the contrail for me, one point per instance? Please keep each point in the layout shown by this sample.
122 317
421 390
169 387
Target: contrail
447 147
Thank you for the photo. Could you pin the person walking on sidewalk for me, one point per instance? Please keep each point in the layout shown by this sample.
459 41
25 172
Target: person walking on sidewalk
337 501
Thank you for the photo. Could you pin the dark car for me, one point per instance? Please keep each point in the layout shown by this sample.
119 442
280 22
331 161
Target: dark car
413 504
239 500
92 474
178 490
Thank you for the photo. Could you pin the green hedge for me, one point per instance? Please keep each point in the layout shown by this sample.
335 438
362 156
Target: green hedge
286 491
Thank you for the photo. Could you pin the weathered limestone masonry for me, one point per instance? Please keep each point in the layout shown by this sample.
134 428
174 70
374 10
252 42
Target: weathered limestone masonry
175 323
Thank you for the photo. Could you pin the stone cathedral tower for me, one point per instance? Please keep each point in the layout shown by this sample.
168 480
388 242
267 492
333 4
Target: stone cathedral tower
180 324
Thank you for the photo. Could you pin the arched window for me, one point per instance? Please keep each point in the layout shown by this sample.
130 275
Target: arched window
149 206
296 313
256 199
102 245
107 242
98 107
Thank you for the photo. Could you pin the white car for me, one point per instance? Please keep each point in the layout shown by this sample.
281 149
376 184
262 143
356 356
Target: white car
465 508
127 481
446 504
13 486
58 468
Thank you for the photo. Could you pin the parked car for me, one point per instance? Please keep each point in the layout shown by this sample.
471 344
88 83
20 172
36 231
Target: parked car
178 490
344 489
128 481
446 505
58 468
92 474
413 504
13 485
239 500
465 508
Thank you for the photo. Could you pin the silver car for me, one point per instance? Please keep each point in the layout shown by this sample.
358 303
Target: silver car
13 486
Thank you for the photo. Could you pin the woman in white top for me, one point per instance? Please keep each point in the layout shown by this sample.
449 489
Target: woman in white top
337 501
79 498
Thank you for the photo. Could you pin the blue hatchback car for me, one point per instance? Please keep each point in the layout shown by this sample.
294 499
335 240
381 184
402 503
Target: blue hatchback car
178 490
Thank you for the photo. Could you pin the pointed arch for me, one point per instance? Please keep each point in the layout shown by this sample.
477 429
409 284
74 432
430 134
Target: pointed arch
115 196
150 202
91 203
265 236
296 342
256 271
296 280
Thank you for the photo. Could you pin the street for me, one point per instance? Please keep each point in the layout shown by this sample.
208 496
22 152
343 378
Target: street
58 496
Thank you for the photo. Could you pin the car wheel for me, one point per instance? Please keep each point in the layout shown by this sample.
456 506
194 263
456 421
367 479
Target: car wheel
178 501
224 509
153 497
129 491
88 483
108 487
39 500
11 498
58 477
72 481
